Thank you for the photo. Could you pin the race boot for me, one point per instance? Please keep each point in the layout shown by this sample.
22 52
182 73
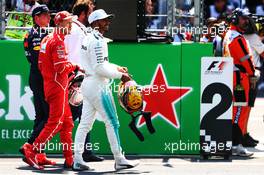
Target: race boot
251 138
43 160
122 163
30 156
68 163
241 151
91 157
22 151
24 147
77 166
247 141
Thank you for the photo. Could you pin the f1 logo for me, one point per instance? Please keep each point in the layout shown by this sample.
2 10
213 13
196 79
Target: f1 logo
217 64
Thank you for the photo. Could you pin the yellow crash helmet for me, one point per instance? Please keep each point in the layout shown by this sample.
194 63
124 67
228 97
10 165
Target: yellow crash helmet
130 97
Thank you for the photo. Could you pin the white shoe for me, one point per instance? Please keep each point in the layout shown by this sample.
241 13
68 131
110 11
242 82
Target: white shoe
79 166
122 163
241 151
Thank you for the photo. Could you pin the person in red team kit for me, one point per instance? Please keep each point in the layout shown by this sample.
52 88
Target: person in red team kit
55 69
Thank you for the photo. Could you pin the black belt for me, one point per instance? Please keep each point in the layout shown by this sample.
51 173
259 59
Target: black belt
241 68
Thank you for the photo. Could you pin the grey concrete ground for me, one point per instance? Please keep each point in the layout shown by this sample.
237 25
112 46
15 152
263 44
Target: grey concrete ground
176 165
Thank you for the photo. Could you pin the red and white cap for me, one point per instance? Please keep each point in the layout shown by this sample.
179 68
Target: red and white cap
62 16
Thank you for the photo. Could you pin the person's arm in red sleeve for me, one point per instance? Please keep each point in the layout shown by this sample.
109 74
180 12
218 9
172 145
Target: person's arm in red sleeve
60 60
240 52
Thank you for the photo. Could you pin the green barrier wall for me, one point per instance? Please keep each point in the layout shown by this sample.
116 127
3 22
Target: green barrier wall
173 70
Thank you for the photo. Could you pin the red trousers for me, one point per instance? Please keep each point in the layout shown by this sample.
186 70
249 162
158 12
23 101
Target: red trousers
241 113
60 120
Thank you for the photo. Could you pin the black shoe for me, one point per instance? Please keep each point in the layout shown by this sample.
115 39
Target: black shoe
79 167
251 138
92 158
21 150
24 160
67 166
247 142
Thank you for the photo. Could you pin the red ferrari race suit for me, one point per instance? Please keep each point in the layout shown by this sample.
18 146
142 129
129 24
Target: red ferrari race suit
55 69
235 46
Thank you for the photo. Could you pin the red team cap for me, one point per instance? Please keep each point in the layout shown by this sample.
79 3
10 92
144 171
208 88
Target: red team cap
62 16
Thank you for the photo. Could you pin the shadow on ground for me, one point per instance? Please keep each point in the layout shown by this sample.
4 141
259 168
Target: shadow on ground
58 169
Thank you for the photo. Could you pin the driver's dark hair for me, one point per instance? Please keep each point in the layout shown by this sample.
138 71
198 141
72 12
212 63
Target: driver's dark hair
251 27
80 6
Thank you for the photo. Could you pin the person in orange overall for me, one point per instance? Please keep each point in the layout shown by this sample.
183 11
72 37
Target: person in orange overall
236 46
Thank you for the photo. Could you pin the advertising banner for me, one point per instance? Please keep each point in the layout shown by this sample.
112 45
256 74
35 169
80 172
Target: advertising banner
171 74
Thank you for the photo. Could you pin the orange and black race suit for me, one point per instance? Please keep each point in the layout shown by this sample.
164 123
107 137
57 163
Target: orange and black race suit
236 46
